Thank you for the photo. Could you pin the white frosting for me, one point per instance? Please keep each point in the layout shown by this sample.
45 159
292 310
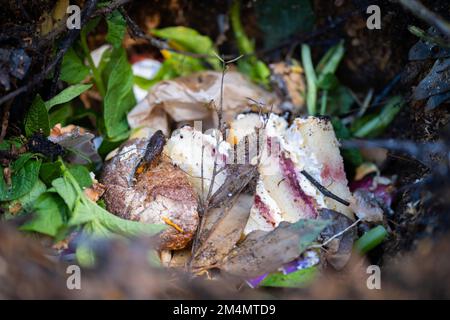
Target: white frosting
256 220
292 144
184 148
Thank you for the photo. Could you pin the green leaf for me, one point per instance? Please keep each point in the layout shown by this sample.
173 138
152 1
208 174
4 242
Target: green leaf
24 177
327 81
340 100
181 65
67 94
85 256
61 114
90 25
373 125
81 174
27 200
371 239
67 191
330 62
50 171
129 228
102 223
311 80
50 213
116 28
352 156
19 163
87 211
83 213
297 279
37 118
187 39
73 70
256 69
244 44
96 219
119 98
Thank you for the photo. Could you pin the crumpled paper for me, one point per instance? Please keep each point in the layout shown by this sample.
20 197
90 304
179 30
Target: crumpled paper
196 97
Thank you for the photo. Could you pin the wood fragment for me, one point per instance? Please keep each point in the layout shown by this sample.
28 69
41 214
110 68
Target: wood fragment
323 190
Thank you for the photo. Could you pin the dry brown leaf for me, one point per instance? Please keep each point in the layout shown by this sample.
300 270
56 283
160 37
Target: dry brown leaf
95 192
339 249
238 176
263 252
180 258
223 228
366 206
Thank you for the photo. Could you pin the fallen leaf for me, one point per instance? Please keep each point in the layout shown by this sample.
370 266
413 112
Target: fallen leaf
223 229
339 249
263 252
366 206
95 191
238 176
180 258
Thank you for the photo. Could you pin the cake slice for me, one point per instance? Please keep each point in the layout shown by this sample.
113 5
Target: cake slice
283 193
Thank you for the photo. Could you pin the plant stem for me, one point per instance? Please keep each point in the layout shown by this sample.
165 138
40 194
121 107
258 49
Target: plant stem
311 79
323 103
244 43
96 74
371 239
381 121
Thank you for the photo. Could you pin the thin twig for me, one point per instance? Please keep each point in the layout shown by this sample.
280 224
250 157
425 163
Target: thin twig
340 233
66 43
420 151
323 190
5 120
422 12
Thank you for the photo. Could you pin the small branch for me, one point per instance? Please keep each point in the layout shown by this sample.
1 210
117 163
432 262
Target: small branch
66 43
136 32
422 12
419 151
5 120
323 190
110 7
61 26
340 233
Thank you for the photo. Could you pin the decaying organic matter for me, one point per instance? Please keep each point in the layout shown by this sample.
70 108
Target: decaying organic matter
157 192
251 155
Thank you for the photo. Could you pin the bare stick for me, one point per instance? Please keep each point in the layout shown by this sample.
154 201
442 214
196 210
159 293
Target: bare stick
5 120
323 190
66 43
433 19
340 233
